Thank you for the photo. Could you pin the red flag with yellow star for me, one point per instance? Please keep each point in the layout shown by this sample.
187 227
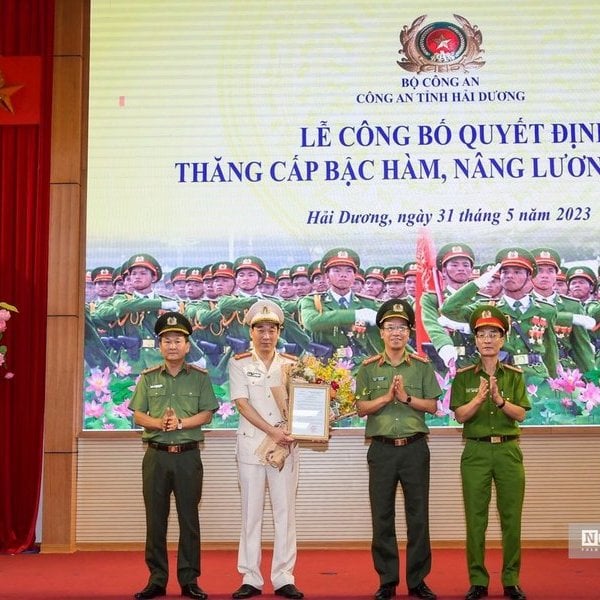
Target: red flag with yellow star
20 90
428 280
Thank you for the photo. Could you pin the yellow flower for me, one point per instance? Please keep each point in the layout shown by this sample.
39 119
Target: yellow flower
334 372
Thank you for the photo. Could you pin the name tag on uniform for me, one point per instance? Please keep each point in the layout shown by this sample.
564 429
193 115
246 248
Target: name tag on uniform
468 390
156 385
257 374
380 378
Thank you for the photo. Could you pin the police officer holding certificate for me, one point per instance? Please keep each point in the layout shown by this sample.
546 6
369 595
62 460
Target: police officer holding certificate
257 386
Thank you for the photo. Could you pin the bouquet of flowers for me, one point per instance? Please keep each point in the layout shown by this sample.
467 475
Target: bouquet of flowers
5 310
334 372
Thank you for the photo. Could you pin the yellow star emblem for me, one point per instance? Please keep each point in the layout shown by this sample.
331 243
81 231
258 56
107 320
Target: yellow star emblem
6 91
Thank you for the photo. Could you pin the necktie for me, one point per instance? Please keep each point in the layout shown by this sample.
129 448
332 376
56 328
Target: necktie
343 302
518 306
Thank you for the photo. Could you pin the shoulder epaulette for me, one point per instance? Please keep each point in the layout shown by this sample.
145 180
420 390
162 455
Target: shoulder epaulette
371 359
289 356
151 369
513 368
424 359
364 296
242 355
196 368
570 298
543 302
467 368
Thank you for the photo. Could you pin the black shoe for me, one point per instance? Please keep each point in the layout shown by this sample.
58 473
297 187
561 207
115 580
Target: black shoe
152 590
514 592
476 591
422 591
191 590
289 591
246 591
385 591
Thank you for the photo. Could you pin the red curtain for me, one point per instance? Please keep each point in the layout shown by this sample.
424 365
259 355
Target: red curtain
26 29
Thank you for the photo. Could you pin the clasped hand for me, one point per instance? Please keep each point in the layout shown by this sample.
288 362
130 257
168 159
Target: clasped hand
396 391
169 420
491 388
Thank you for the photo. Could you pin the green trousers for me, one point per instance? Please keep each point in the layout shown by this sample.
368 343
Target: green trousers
164 473
409 466
481 464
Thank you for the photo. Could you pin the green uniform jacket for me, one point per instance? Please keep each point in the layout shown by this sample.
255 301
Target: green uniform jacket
332 326
441 336
190 392
396 419
489 419
536 324
575 348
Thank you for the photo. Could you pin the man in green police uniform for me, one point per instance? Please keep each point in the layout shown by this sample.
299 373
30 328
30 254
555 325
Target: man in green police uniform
453 343
394 390
171 402
137 312
572 324
490 398
531 343
339 320
582 282
374 282
394 282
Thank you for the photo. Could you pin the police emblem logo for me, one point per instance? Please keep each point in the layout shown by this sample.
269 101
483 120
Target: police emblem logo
342 254
195 272
139 258
456 249
486 314
544 254
171 321
247 261
512 254
441 46
398 308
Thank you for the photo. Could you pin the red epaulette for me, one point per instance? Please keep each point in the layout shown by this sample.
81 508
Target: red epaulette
242 355
196 368
371 359
463 369
289 356
423 359
150 369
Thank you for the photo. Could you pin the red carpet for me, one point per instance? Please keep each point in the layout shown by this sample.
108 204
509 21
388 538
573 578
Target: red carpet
334 574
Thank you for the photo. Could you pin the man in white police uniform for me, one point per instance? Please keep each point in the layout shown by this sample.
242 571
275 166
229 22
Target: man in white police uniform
256 381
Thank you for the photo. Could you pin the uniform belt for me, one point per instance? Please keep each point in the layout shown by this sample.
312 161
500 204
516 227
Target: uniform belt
494 439
174 448
399 441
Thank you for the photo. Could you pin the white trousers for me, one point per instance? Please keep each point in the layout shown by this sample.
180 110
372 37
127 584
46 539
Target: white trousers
282 491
